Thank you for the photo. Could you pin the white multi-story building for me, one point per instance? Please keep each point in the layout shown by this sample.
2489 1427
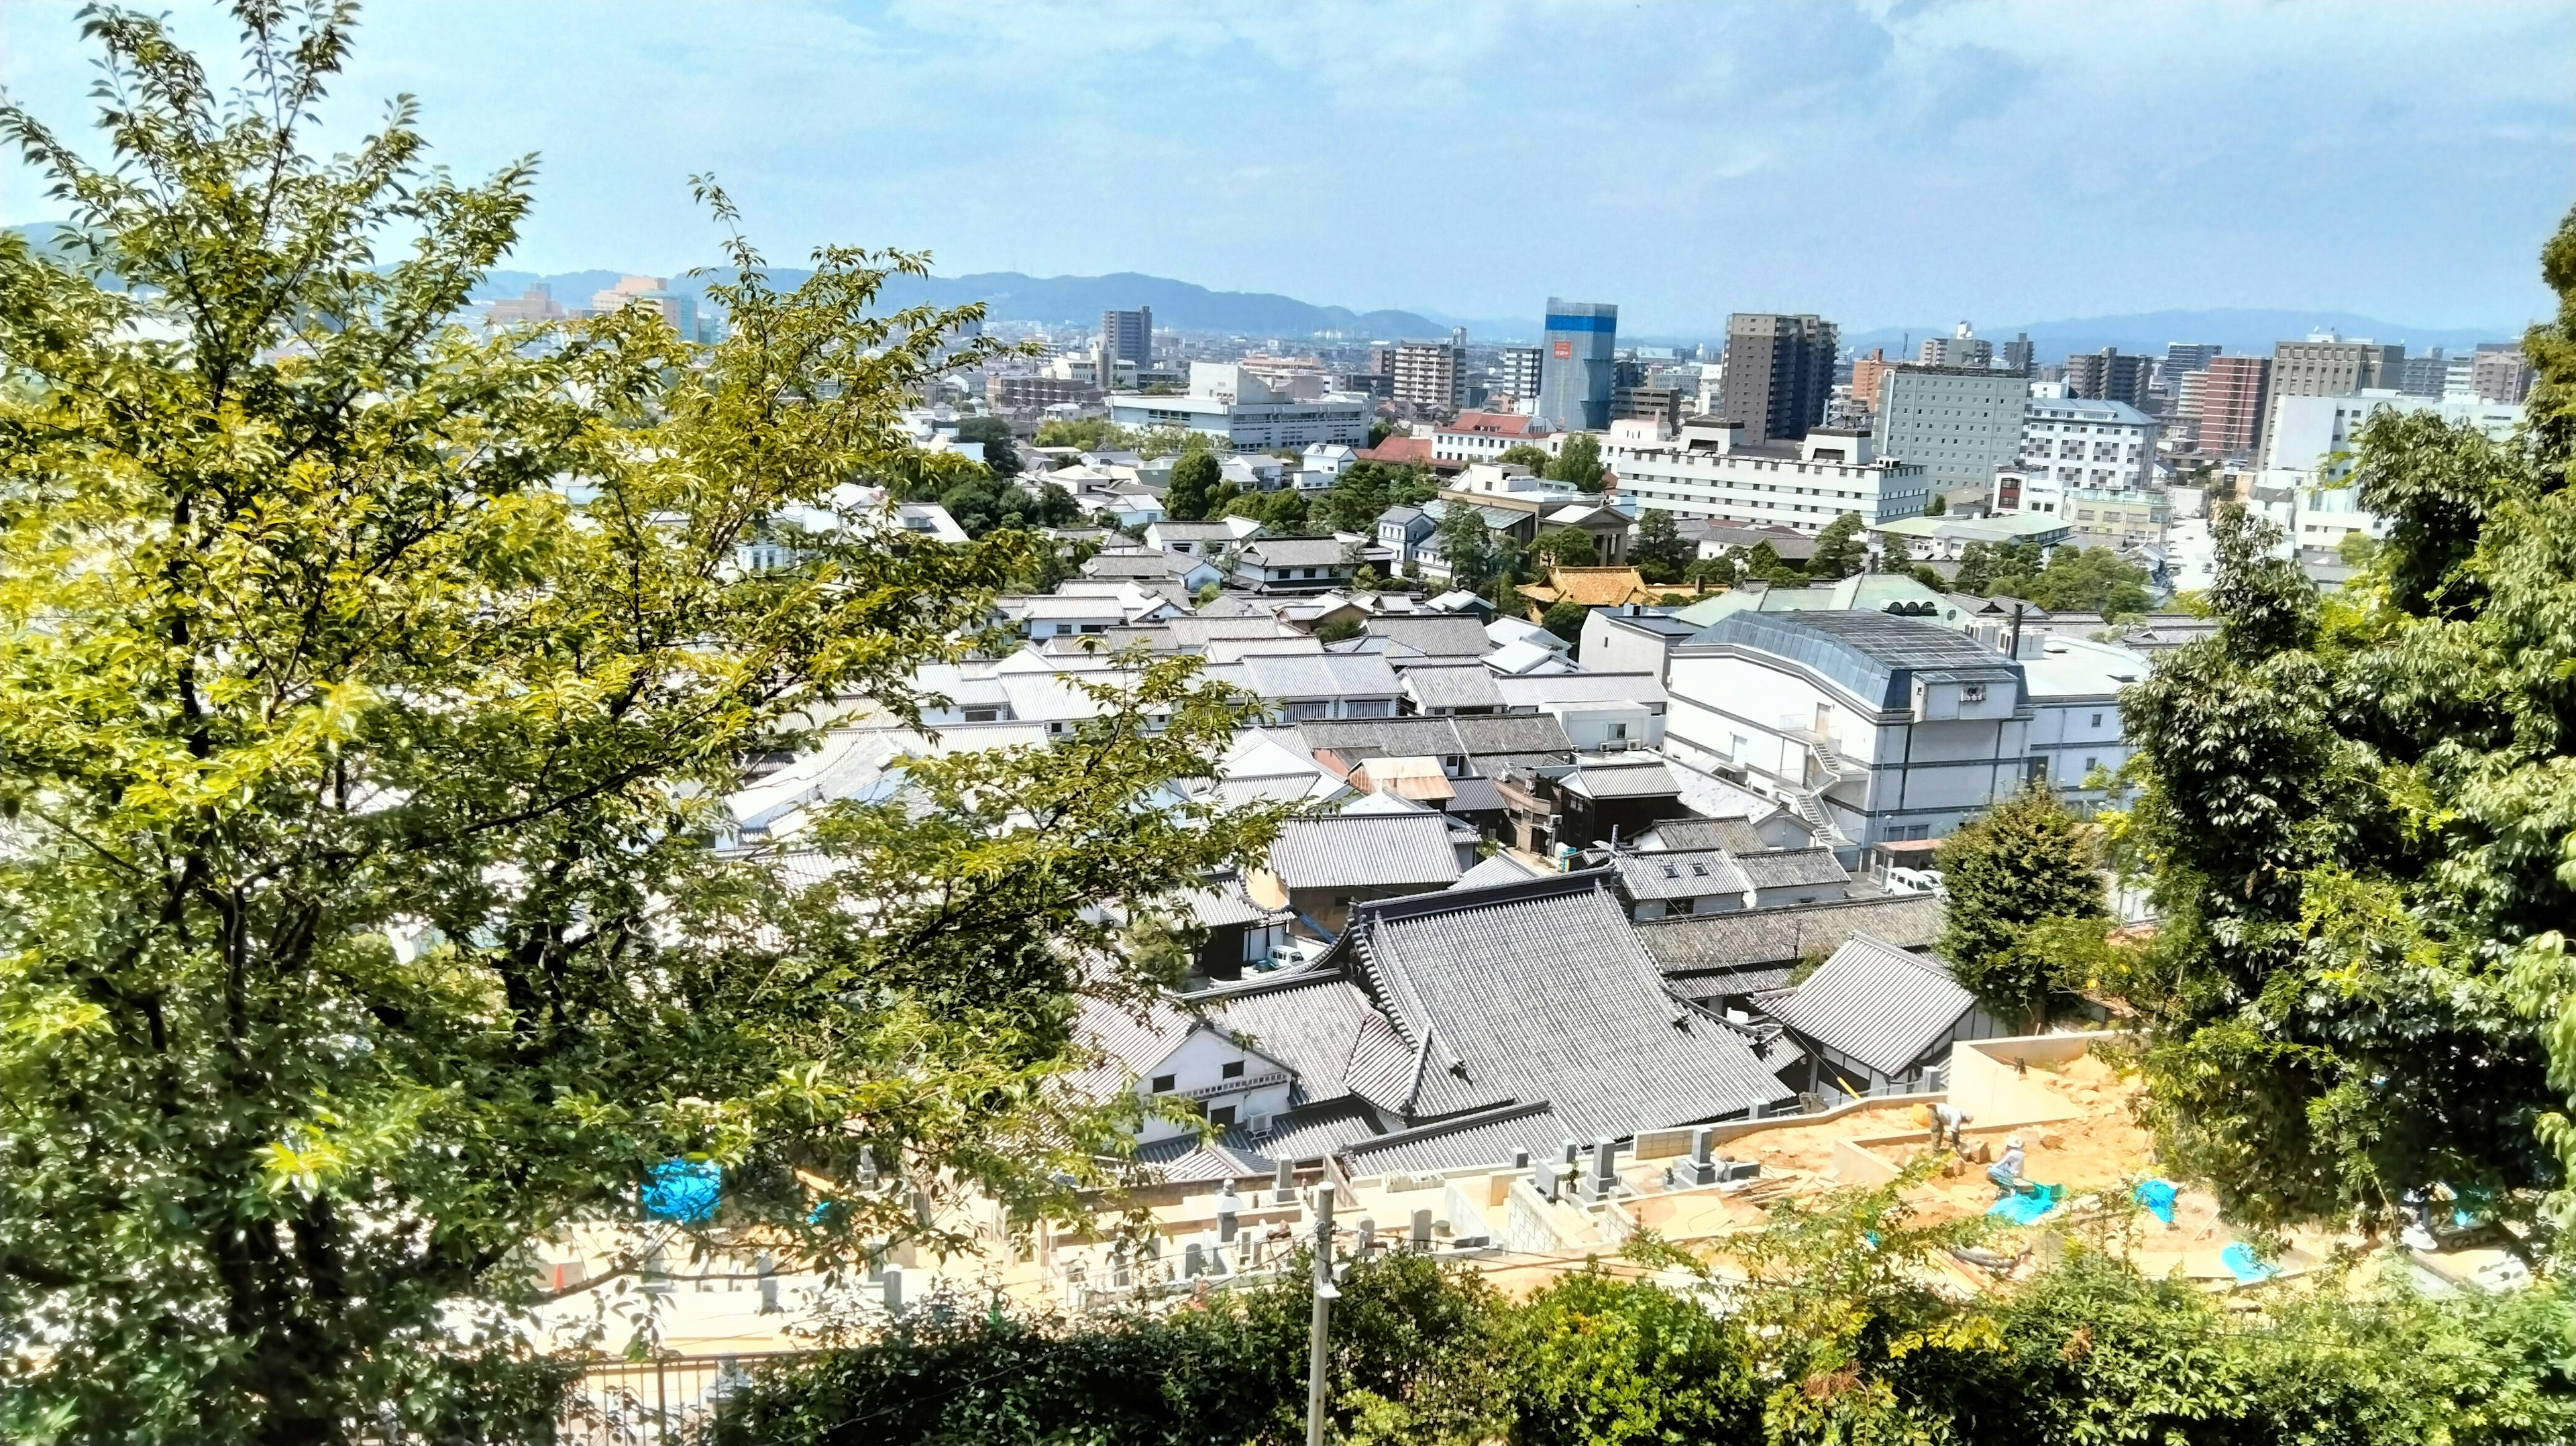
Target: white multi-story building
2312 435
1484 436
1249 411
2082 442
1710 471
1958 423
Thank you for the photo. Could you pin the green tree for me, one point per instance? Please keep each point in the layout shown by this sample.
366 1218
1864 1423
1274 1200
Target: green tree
1976 575
1578 460
368 694
1365 490
2023 862
1001 448
1466 546
1565 619
1938 506
1724 570
1604 1360
1195 481
1660 552
1524 454
1090 434
1380 430
1841 549
1763 563
1567 547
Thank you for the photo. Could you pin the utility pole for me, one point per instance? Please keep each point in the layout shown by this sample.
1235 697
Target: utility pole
1325 1295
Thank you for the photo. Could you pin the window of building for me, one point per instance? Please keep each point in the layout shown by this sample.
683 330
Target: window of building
1163 1083
1233 1070
1222 1117
1972 692
2097 720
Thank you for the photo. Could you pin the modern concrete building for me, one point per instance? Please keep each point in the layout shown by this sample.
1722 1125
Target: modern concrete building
1712 470
1872 727
2018 355
2326 365
1485 436
1961 348
2500 374
1127 336
2182 358
2083 442
1252 415
1516 370
2225 401
2307 432
1429 374
1959 423
1575 364
2109 376
1866 370
1779 372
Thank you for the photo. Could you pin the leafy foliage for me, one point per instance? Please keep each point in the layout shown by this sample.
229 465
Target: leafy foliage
2024 862
1578 461
1467 547
371 691
1525 454
2070 579
1195 480
1841 550
1565 619
1567 547
1660 552
1089 434
1367 489
2356 821
1001 448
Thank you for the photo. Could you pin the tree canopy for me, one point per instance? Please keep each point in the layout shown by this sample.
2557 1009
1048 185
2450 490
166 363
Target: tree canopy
369 694
2024 862
1001 447
2068 579
2355 819
1841 549
1660 552
1567 547
1195 480
1578 461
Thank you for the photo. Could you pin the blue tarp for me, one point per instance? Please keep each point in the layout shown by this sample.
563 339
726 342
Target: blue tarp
683 1191
2158 1197
2026 1206
2240 1262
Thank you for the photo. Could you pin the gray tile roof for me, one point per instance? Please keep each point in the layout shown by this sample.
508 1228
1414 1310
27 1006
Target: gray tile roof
1875 655
1726 983
1792 868
1359 738
1500 869
1438 634
1514 733
1319 675
1308 1023
1220 904
1538 690
1784 935
1639 775
1540 991
1365 851
1876 1003
1489 1137
1293 551
1465 686
1679 875
1473 795
1686 834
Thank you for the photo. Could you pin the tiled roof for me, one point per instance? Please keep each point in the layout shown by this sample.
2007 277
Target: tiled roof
1398 449
1637 776
1684 834
1365 851
1729 983
1493 424
1474 795
1437 634
1876 1003
1540 991
1594 587
1469 685
1307 1022
1221 904
1749 937
1488 1137
1516 733
1357 738
1791 868
1319 675
1679 875
1540 689
1500 869
1293 551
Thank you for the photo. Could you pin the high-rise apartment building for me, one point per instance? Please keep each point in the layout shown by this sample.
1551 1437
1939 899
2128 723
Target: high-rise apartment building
1515 370
1959 424
2225 401
1961 348
1429 374
1866 370
2424 375
2499 374
2326 365
2018 355
1127 336
1779 373
1575 364
2108 376
2182 358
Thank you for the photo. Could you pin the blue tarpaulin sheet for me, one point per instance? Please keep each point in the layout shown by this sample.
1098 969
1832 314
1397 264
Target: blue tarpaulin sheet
2240 1262
683 1191
2025 1207
2158 1197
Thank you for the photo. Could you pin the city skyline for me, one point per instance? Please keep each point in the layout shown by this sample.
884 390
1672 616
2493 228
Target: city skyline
1882 165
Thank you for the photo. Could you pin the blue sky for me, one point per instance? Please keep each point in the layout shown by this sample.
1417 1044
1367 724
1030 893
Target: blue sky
1881 163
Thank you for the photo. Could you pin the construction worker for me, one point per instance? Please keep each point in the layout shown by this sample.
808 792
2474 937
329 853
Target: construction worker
2006 1170
1950 1121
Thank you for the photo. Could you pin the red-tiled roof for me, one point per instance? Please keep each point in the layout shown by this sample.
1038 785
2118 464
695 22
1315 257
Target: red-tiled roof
1494 424
1416 450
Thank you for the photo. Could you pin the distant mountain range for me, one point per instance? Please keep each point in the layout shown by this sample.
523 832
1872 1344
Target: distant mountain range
1078 300
1182 306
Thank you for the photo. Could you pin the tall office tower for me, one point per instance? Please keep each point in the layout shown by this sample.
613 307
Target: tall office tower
2227 399
1127 336
2422 376
2326 365
2108 376
1779 373
1959 424
1430 374
1866 370
1961 348
1574 364
2018 354
2182 358
1516 371
2500 374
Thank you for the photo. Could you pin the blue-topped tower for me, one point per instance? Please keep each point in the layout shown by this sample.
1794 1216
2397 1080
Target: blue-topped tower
1574 364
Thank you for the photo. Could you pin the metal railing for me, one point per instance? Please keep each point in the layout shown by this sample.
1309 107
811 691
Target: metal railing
661 1402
